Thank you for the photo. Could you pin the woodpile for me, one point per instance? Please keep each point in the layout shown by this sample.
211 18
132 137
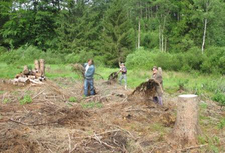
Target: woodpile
37 75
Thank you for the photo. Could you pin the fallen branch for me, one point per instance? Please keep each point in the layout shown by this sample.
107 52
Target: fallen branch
19 122
192 147
38 94
69 147
102 142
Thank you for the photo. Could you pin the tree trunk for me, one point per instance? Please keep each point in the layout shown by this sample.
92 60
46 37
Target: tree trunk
139 33
204 35
165 44
36 66
186 127
162 42
42 67
159 37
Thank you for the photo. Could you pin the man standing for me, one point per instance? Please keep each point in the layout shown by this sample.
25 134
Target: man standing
123 70
88 77
159 91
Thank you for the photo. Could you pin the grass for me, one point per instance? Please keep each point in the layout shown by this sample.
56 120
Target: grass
73 99
191 82
91 105
26 100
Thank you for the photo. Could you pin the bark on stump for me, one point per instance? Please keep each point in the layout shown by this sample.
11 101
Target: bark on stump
186 128
42 67
25 70
36 66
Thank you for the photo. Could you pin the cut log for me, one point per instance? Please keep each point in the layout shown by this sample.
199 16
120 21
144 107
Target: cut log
36 66
23 80
42 67
186 128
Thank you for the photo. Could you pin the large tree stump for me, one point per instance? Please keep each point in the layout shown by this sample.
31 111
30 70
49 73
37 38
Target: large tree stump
36 66
25 70
186 128
42 67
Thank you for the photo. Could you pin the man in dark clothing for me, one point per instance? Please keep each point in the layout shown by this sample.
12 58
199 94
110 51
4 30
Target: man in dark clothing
88 80
159 91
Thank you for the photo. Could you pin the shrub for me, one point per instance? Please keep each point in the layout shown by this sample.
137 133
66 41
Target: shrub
215 61
219 97
3 50
140 59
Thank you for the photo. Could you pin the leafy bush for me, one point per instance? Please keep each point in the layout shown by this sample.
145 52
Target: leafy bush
215 61
3 50
212 61
140 59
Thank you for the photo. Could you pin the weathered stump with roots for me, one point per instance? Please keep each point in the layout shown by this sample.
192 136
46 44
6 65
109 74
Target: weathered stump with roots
112 78
186 128
145 90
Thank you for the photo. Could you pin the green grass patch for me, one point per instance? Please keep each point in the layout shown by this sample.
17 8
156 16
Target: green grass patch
26 100
73 99
2 91
157 127
203 105
212 86
219 97
91 105
9 71
6 100
221 124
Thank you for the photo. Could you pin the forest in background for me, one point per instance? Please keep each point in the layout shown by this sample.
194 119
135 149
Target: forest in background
176 35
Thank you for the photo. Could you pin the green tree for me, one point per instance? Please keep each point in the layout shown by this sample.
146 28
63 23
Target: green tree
118 34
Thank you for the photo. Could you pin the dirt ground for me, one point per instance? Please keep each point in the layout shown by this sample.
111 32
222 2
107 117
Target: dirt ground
51 123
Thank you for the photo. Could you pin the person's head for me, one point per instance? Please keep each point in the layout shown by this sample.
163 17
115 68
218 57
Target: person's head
155 69
90 62
122 64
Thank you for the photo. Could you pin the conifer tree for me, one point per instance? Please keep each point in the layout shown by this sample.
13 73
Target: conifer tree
118 34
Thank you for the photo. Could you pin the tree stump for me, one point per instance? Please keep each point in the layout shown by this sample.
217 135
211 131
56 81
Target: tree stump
186 128
42 67
25 70
36 66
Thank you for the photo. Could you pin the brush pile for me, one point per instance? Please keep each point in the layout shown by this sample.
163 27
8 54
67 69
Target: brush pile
79 69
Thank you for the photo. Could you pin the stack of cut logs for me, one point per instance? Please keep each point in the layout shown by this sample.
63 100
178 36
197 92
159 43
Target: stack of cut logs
34 76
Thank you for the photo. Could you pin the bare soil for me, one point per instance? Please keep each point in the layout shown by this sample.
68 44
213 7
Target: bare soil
120 124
